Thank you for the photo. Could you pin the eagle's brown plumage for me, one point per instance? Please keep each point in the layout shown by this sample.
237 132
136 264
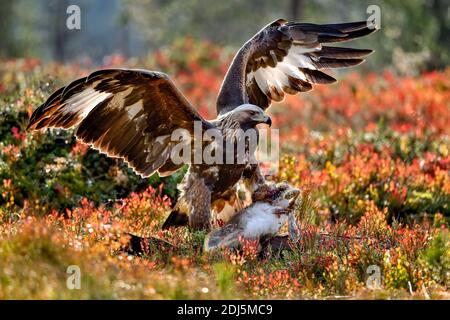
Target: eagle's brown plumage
131 114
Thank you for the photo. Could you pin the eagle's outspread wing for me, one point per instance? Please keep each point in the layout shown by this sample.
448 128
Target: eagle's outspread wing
129 114
286 57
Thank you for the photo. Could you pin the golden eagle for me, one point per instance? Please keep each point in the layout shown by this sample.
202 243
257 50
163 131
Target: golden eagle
131 114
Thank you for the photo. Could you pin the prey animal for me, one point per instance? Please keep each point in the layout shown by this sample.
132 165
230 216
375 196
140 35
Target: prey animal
273 205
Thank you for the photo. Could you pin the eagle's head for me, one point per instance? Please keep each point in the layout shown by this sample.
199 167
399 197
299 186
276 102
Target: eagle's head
245 116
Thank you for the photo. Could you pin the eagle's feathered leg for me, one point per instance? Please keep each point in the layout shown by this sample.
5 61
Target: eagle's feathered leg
225 207
193 208
253 178
199 202
230 203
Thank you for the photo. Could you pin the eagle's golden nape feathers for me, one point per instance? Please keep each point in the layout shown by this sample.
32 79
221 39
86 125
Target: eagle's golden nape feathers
287 58
127 114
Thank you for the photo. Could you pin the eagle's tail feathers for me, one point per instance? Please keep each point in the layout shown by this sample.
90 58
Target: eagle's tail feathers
175 219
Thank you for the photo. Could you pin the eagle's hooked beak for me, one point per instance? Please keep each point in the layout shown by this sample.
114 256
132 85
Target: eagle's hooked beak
262 118
265 119
268 121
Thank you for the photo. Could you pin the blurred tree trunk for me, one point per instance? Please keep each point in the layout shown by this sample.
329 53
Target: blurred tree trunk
124 23
440 10
296 8
6 28
58 25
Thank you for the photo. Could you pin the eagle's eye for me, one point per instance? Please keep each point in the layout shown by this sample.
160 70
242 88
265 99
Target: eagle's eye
252 113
